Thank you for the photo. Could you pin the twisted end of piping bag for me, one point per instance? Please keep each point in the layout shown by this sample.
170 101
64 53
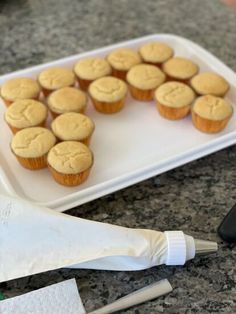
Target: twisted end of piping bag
182 247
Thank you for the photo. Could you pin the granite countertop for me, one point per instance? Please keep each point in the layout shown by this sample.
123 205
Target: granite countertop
194 197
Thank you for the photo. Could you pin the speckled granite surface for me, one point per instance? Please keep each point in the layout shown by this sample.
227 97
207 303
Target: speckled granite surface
193 198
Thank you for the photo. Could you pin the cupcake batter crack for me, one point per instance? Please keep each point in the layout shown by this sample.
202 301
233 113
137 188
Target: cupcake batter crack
173 92
24 112
76 126
97 66
112 91
70 159
29 141
21 89
70 154
52 81
124 60
150 76
214 106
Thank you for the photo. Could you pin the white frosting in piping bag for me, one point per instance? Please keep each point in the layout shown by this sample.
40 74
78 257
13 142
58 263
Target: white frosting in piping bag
34 239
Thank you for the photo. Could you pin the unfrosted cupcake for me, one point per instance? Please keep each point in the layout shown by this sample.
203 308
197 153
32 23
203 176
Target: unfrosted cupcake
19 88
70 163
143 79
31 146
67 99
174 100
52 79
211 114
209 83
156 53
122 60
25 113
73 126
89 69
108 94
180 69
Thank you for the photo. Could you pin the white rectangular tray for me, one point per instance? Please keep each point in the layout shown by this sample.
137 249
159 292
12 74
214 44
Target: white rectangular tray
129 146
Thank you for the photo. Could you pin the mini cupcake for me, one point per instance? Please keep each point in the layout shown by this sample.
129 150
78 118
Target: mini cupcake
209 83
122 60
54 78
25 113
156 53
89 69
31 146
211 114
19 88
67 99
143 79
73 126
180 69
108 94
174 100
70 163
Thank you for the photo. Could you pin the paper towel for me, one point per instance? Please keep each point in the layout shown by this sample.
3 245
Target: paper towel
60 298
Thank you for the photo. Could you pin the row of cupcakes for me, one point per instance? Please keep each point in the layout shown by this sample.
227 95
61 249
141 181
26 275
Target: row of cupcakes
174 99
142 80
69 162
117 64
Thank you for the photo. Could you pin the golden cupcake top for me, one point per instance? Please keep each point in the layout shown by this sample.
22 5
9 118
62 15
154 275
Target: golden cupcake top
174 94
145 76
20 88
25 113
209 83
55 78
72 126
92 68
212 108
156 52
123 59
32 142
108 89
70 157
180 68
67 99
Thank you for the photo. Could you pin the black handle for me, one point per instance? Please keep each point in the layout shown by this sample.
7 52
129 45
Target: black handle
227 229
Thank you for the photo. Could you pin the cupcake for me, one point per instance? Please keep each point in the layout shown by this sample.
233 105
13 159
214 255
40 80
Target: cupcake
174 100
122 60
70 163
211 114
108 94
89 69
67 99
25 113
19 88
209 83
156 53
31 146
54 78
180 69
73 126
143 79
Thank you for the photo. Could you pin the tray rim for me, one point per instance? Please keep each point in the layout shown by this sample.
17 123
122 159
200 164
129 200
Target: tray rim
143 173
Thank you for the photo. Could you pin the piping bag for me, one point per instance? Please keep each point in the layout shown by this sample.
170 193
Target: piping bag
36 239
